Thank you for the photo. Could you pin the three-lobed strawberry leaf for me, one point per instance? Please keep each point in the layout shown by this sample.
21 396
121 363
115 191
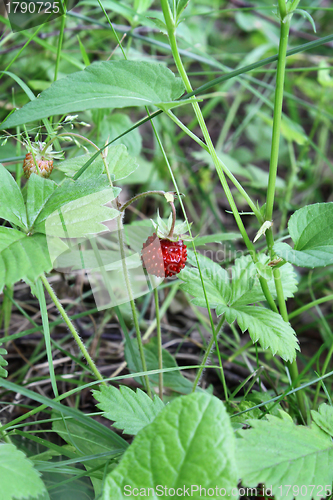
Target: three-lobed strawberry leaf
235 297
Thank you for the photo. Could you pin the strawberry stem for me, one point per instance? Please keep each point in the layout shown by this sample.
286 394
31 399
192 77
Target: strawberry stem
172 205
138 196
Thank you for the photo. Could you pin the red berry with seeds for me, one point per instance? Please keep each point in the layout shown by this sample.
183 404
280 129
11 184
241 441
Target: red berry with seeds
163 257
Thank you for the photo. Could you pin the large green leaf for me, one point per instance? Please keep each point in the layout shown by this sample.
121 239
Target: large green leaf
11 200
189 443
311 229
265 327
278 453
18 478
130 411
22 256
107 84
216 281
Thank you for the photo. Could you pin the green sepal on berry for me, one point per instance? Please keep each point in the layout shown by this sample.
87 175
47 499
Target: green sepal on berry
163 229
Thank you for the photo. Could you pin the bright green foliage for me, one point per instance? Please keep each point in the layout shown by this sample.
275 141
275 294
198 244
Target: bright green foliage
324 418
11 200
107 84
70 209
277 452
3 362
311 229
130 411
18 478
23 257
232 298
81 192
190 442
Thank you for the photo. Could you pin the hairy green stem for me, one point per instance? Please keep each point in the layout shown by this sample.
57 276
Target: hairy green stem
159 344
138 196
68 322
214 339
131 300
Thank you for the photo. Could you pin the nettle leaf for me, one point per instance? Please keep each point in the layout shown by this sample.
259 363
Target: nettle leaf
107 84
311 229
324 418
12 206
130 411
18 478
22 257
3 362
264 326
190 442
277 452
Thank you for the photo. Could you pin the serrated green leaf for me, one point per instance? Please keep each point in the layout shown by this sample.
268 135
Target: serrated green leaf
12 206
18 478
281 454
107 84
190 442
246 286
39 191
130 411
265 327
311 229
3 362
81 217
324 418
216 281
120 163
24 257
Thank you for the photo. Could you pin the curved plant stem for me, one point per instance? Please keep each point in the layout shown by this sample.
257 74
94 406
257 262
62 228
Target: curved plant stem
68 322
314 303
159 344
138 196
172 205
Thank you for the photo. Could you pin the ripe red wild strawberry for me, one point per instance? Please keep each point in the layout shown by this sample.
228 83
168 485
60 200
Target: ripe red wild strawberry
163 257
